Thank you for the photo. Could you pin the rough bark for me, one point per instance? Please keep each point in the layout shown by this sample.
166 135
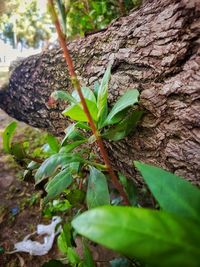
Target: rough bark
155 49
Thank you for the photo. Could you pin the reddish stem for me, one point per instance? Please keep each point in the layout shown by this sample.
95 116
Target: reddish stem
76 84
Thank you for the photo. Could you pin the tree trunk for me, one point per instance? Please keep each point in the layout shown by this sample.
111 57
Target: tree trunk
155 49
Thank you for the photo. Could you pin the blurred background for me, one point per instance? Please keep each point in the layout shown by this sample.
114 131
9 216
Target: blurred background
26 28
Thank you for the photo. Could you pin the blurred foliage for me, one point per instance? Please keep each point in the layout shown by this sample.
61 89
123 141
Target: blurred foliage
24 22
27 22
90 15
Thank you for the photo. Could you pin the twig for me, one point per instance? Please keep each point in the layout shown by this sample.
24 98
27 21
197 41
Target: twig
122 7
77 86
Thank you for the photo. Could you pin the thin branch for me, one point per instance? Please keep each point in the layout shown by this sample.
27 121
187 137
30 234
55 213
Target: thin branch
122 7
77 86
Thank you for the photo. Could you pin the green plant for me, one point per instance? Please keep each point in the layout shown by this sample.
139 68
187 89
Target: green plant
166 237
69 162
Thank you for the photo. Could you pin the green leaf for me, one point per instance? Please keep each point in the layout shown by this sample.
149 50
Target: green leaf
73 256
123 128
76 196
49 166
87 256
87 93
58 184
63 15
130 189
8 135
82 125
103 92
103 117
33 165
72 146
97 191
77 113
96 88
64 239
127 100
61 205
17 150
63 96
173 193
53 143
156 237
72 133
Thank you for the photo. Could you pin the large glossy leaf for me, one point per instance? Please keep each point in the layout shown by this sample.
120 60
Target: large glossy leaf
8 135
173 193
103 92
123 128
156 237
127 100
97 192
77 113
48 167
58 184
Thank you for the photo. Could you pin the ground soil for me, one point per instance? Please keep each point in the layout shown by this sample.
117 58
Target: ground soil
17 196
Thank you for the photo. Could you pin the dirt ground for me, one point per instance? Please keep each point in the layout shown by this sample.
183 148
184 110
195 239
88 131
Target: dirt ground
19 209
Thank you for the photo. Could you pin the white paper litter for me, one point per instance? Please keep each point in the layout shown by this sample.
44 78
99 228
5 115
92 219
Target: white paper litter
35 247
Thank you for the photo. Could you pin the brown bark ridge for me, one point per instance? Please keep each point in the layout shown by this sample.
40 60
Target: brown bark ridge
156 49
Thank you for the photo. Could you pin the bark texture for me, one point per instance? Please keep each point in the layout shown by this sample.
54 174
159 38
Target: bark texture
155 49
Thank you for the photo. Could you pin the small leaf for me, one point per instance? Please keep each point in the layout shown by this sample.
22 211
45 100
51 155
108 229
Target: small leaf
82 125
53 143
130 189
103 117
87 93
156 237
58 184
173 193
33 165
48 167
68 148
8 135
64 239
87 256
76 112
128 99
18 151
63 96
73 256
76 196
103 92
73 134
124 128
97 191
96 88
